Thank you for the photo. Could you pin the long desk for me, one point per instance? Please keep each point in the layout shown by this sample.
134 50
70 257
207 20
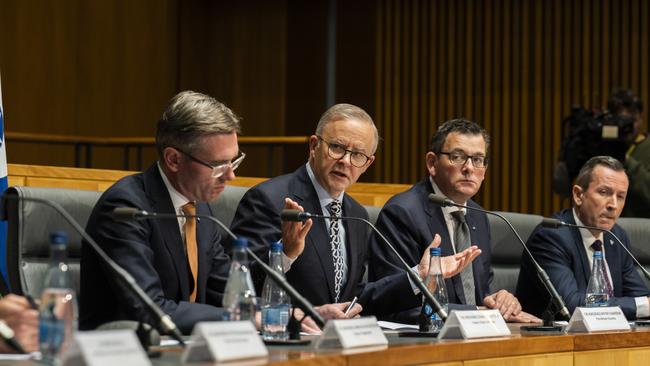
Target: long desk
610 348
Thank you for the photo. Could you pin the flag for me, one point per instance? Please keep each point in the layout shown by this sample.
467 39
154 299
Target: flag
3 187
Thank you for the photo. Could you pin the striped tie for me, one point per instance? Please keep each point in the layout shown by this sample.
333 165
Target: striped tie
462 242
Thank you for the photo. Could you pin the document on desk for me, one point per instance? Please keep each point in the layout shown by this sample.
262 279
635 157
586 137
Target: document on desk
396 326
19 357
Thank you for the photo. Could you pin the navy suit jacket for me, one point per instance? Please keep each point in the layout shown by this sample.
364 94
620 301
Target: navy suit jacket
409 221
152 251
562 255
312 273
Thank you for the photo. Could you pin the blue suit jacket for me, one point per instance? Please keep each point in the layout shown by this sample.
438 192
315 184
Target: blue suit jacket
409 221
153 252
562 255
312 273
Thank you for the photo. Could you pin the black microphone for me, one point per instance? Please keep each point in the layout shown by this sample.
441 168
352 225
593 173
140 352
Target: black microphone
296 215
554 224
127 213
541 273
165 323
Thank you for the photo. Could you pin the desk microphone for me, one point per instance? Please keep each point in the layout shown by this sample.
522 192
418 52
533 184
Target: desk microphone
554 224
541 273
165 323
128 213
297 215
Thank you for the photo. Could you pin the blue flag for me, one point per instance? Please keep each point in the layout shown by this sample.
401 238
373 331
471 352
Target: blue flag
3 187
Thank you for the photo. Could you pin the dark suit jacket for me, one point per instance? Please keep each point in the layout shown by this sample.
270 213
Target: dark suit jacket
562 255
312 273
152 251
409 221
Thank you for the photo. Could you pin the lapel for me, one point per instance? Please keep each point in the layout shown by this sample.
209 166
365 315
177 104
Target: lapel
578 246
305 194
161 202
354 237
438 225
614 262
204 233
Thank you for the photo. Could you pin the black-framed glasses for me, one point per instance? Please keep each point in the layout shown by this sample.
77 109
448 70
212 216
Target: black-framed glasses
220 169
460 158
338 152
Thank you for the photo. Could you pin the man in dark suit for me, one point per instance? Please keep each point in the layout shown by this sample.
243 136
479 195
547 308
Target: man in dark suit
456 162
180 264
567 253
327 266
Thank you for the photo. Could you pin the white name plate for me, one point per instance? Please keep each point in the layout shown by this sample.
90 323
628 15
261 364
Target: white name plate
468 324
224 341
106 348
598 319
351 333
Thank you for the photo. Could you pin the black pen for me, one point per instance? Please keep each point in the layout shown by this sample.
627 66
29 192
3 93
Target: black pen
31 301
349 307
7 335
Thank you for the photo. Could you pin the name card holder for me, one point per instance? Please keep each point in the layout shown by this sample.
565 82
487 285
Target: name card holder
106 348
224 341
467 324
597 319
351 333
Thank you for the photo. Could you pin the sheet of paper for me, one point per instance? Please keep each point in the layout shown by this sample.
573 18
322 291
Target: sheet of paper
396 326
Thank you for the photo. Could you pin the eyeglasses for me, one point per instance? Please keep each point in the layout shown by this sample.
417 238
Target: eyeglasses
460 158
221 169
338 152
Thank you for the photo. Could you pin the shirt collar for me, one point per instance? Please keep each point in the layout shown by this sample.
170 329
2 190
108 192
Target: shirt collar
447 210
178 200
323 197
587 236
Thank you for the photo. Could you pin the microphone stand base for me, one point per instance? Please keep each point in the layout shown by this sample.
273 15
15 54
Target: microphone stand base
417 334
543 330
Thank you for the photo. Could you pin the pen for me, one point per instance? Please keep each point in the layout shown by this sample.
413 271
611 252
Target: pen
31 301
349 307
7 335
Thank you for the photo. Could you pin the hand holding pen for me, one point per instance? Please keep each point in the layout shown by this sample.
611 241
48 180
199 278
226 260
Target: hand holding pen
21 319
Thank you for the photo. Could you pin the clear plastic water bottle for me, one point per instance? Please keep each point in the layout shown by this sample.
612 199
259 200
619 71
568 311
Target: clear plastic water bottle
599 289
275 302
58 309
239 298
435 282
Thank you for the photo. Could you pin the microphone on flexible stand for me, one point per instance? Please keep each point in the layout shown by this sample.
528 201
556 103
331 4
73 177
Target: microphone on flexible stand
165 323
554 224
297 215
541 273
128 213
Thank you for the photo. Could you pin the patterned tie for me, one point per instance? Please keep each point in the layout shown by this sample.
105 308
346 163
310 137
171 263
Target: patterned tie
335 243
462 241
190 244
597 246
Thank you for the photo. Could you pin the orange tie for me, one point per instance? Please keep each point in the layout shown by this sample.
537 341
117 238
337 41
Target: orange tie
190 244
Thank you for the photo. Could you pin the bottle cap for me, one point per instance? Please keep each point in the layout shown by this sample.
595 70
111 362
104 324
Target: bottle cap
435 252
58 237
240 243
277 246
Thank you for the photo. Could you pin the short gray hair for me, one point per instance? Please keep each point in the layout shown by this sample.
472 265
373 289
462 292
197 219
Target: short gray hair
584 176
190 116
346 112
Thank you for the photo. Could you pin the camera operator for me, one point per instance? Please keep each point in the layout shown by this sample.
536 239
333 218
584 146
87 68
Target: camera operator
624 103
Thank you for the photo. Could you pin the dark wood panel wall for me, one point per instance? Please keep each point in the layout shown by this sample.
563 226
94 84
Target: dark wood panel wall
516 67
107 68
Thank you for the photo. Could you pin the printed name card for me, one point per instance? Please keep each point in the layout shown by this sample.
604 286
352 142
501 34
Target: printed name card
106 348
598 319
468 324
224 341
351 333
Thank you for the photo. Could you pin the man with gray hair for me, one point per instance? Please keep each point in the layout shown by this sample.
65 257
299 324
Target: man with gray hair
181 265
567 253
325 260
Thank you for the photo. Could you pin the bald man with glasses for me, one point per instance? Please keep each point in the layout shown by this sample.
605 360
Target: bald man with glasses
325 259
